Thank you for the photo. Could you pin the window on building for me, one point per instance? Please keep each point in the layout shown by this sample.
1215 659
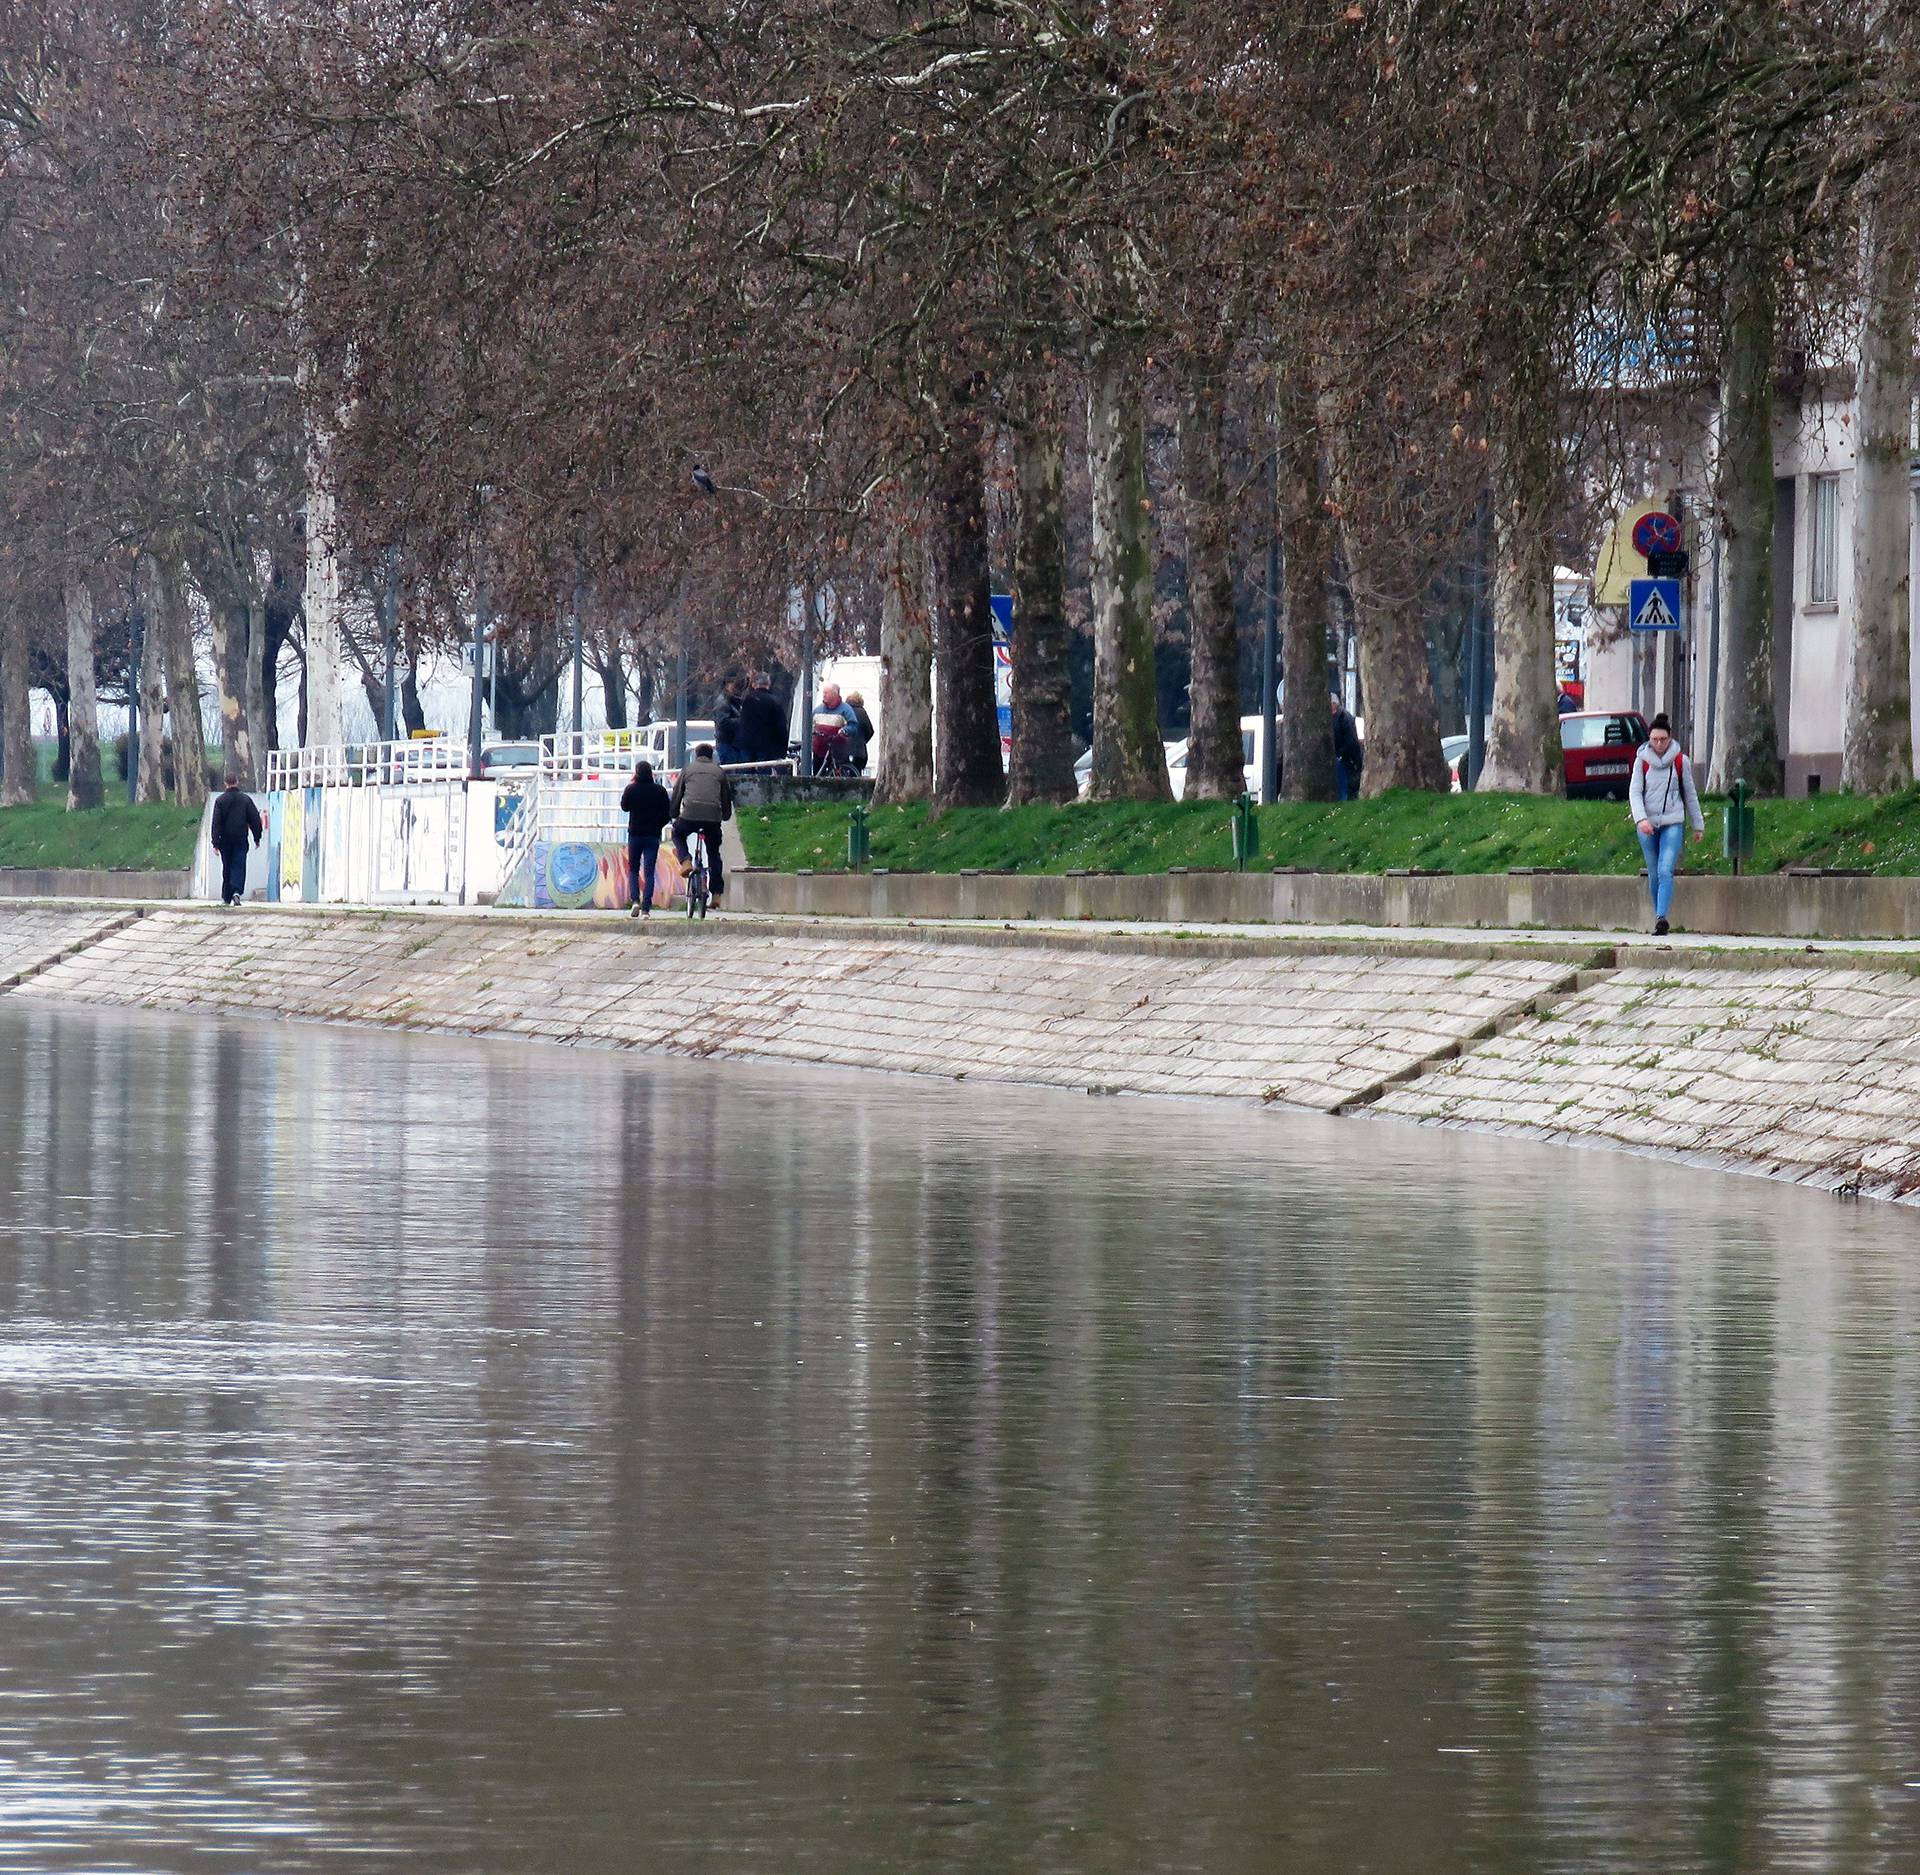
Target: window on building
1823 548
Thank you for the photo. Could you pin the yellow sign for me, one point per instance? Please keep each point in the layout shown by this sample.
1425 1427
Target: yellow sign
1619 563
424 735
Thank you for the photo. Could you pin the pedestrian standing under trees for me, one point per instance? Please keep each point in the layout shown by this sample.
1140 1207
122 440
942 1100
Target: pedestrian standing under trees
729 721
764 721
235 821
858 705
1348 755
648 810
1663 801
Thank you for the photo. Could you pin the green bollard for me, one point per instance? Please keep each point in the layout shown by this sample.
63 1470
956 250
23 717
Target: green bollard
1740 827
859 841
1246 832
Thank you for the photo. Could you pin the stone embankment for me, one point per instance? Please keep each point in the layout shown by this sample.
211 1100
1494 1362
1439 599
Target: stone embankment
32 937
1800 1067
1312 1030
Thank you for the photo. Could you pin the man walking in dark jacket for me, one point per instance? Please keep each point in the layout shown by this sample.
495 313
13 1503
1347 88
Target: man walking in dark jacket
763 722
702 799
235 820
1348 755
648 810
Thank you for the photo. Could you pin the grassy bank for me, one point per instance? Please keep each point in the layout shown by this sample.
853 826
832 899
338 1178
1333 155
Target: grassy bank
115 836
1455 833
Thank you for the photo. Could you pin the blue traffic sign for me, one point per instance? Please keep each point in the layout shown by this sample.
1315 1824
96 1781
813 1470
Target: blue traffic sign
1653 605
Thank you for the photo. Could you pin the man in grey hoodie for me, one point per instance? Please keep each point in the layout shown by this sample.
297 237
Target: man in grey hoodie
1664 802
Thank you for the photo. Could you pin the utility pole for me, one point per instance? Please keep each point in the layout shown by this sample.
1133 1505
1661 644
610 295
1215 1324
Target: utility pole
476 700
389 613
1270 651
680 698
579 652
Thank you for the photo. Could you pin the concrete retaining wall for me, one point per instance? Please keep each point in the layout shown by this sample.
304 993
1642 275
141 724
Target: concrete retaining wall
55 882
1769 905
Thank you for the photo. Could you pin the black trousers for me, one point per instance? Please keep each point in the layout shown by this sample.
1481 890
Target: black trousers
684 830
233 872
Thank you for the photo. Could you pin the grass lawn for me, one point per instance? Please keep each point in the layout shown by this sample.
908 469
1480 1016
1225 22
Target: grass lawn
1456 833
115 836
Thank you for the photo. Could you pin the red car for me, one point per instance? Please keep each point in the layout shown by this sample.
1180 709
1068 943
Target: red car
1598 750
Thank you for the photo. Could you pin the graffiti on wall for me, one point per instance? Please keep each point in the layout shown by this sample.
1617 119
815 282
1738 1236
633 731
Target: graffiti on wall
575 875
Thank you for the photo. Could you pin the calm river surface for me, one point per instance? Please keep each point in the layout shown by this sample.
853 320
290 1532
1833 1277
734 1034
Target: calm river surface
548 1460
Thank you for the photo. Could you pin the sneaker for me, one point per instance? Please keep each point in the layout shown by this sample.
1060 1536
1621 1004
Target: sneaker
1659 927
635 912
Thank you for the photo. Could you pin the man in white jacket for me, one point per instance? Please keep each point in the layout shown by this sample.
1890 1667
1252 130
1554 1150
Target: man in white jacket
1664 802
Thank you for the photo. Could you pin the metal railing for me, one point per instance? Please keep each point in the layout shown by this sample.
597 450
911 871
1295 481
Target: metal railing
367 764
603 754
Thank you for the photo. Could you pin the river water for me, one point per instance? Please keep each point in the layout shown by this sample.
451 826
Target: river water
428 1455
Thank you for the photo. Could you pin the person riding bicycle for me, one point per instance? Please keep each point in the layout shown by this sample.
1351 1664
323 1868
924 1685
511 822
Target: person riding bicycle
702 799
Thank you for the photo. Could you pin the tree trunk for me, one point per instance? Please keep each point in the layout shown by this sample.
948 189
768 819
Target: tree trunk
183 685
413 715
1306 728
84 787
62 741
903 766
613 690
1878 752
1042 686
325 725
967 771
1216 767
230 667
151 782
1403 715
263 690
18 782
1746 743
1129 759
1523 747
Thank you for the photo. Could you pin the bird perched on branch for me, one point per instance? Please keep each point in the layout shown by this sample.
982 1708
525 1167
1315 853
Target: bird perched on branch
704 482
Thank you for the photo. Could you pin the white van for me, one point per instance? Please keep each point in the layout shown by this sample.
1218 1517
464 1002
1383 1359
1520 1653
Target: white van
861 674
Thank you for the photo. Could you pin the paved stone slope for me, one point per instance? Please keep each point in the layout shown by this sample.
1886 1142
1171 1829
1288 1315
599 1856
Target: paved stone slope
1310 1030
32 936
1801 1072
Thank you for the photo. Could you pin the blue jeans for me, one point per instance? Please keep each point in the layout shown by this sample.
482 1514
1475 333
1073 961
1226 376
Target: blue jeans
643 856
1662 849
1345 781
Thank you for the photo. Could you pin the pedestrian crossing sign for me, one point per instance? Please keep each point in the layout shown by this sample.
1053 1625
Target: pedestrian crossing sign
1653 605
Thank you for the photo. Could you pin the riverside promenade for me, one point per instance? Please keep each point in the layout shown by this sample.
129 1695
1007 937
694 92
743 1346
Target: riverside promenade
1789 1059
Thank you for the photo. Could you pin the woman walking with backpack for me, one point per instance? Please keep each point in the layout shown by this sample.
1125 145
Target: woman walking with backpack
1663 801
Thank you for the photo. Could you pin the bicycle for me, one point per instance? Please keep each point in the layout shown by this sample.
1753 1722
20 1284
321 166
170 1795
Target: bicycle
699 891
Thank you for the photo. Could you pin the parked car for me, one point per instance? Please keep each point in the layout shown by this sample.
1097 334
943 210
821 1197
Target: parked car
654 744
1454 750
1598 748
505 757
